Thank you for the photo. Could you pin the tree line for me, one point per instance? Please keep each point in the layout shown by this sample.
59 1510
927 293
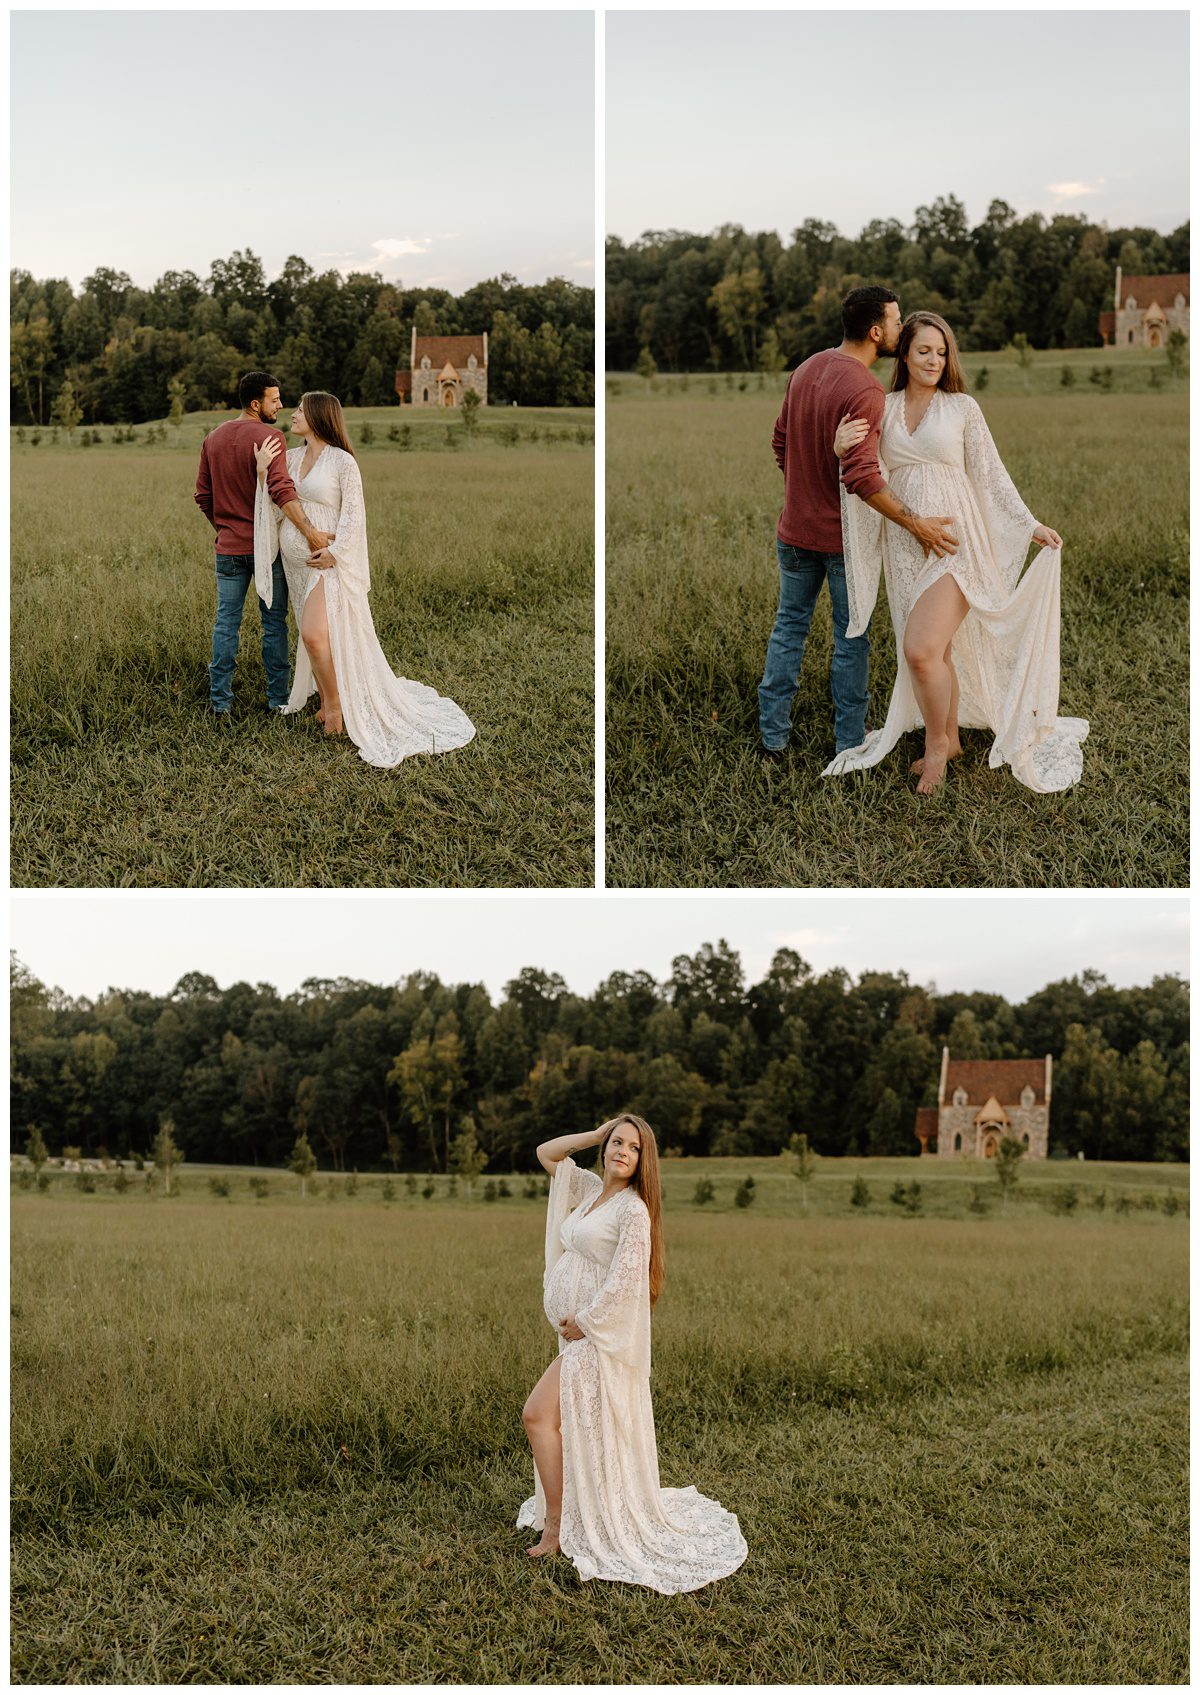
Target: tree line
390 1076
121 349
737 300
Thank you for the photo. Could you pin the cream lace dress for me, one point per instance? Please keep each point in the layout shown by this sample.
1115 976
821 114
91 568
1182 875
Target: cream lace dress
1006 648
617 1523
386 716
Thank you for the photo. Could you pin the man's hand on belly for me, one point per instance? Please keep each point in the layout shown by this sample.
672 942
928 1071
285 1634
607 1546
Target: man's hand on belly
570 1330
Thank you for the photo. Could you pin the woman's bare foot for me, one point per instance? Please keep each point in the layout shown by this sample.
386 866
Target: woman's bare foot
331 718
918 765
933 766
320 715
548 1543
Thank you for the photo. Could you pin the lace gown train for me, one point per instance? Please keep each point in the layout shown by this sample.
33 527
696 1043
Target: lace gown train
1006 650
617 1522
386 716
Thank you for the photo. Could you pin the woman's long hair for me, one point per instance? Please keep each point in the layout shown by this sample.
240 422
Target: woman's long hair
326 418
951 380
649 1186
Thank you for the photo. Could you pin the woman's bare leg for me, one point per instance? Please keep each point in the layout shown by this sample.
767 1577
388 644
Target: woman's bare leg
918 765
927 638
542 1419
314 632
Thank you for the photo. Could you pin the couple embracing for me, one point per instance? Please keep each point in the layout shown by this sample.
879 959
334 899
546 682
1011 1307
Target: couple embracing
911 484
294 524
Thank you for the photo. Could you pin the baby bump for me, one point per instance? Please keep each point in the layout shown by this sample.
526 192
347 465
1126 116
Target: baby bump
292 544
571 1284
933 489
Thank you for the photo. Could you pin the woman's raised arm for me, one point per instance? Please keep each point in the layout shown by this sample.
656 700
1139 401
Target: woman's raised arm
549 1153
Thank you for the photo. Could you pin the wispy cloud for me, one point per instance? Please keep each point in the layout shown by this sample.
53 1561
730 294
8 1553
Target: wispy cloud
398 247
1074 190
810 938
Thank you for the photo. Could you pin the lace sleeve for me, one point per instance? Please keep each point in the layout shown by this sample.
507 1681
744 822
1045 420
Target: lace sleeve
569 1187
266 540
617 1318
349 545
1009 521
862 551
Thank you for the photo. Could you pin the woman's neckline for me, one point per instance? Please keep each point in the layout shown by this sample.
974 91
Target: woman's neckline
304 475
594 1206
904 411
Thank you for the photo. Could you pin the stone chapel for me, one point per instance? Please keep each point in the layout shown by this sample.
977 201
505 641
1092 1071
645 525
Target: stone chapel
980 1101
442 368
1146 310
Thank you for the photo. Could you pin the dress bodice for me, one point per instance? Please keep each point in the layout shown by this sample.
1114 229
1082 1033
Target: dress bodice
593 1228
320 494
322 486
585 1240
937 440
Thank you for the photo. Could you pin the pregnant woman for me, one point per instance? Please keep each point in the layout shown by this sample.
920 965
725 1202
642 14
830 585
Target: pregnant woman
589 1419
387 717
976 642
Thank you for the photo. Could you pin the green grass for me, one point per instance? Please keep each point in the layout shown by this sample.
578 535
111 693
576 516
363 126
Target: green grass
1107 1188
482 585
692 586
1134 371
282 1442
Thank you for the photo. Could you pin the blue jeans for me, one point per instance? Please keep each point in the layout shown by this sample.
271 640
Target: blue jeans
235 573
801 573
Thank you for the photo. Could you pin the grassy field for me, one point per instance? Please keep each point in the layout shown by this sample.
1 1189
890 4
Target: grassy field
280 1441
692 586
482 585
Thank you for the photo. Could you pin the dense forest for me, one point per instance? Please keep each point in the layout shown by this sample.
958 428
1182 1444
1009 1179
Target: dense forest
736 300
386 1077
121 348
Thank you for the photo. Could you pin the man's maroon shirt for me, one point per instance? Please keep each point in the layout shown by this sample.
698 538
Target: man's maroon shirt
228 477
819 395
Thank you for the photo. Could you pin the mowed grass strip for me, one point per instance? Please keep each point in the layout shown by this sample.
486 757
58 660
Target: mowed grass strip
286 1446
482 586
692 586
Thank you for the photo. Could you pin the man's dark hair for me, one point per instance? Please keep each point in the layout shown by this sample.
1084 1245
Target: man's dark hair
254 385
862 308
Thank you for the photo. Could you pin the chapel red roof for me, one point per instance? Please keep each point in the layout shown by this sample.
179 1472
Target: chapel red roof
448 350
1004 1078
403 382
1146 290
927 1121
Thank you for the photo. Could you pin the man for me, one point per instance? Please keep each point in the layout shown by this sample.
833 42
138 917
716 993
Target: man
820 393
225 488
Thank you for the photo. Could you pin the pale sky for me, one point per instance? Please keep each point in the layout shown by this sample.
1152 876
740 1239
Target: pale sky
1009 944
439 148
765 119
